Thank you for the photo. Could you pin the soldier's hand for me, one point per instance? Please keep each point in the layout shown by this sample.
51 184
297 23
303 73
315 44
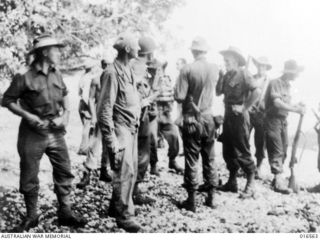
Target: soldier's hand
237 109
94 120
58 122
301 108
35 121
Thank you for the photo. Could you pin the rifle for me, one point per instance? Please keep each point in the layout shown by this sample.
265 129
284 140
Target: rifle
316 115
292 180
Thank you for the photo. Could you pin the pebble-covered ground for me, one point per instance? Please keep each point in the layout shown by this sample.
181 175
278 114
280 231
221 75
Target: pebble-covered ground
268 212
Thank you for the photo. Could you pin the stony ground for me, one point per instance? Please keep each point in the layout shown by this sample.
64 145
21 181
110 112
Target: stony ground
268 212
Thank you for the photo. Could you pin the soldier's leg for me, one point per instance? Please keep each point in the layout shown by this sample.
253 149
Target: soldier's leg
57 152
260 142
210 174
192 147
125 175
242 150
229 155
85 137
240 129
31 147
104 175
276 147
171 134
143 156
153 127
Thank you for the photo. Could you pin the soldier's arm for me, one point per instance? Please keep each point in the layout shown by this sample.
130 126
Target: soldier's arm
108 97
181 87
92 99
219 86
278 103
254 91
11 97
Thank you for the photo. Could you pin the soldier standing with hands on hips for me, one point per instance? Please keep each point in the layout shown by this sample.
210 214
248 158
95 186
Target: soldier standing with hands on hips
44 108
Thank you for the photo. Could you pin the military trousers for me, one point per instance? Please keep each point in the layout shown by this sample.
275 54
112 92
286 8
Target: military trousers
257 123
125 172
94 150
32 145
235 142
153 130
144 146
276 142
194 145
170 132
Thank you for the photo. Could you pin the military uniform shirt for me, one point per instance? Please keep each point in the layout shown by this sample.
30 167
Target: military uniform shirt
120 102
277 88
38 93
236 86
193 79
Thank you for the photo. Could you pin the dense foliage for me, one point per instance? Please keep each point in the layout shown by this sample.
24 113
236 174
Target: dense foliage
86 27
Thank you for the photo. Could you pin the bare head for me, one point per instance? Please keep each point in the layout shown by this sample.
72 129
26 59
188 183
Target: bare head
181 62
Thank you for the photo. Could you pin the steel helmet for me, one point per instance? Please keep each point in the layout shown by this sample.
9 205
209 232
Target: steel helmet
147 45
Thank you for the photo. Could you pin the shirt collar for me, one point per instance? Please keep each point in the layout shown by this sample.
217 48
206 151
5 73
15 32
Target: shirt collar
201 57
38 69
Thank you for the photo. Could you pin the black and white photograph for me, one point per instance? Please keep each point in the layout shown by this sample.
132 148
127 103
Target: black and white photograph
159 116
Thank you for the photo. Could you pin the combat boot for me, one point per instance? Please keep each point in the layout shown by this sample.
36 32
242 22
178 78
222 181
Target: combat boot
32 218
204 187
210 199
85 180
249 190
231 185
174 166
128 225
104 175
65 215
154 170
190 203
279 185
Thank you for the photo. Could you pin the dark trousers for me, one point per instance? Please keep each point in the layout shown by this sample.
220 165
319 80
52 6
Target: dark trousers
257 123
171 133
200 144
236 147
31 147
153 131
277 142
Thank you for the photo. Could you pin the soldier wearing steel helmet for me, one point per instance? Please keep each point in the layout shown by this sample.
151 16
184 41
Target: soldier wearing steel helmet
44 108
145 134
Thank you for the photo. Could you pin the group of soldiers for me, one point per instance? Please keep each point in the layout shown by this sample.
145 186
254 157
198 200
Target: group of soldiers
129 106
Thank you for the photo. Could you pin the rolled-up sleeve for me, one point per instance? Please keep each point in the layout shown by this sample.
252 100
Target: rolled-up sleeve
15 90
109 93
274 91
181 87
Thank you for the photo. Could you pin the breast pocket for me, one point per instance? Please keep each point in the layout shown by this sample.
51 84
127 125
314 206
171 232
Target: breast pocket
37 95
57 91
